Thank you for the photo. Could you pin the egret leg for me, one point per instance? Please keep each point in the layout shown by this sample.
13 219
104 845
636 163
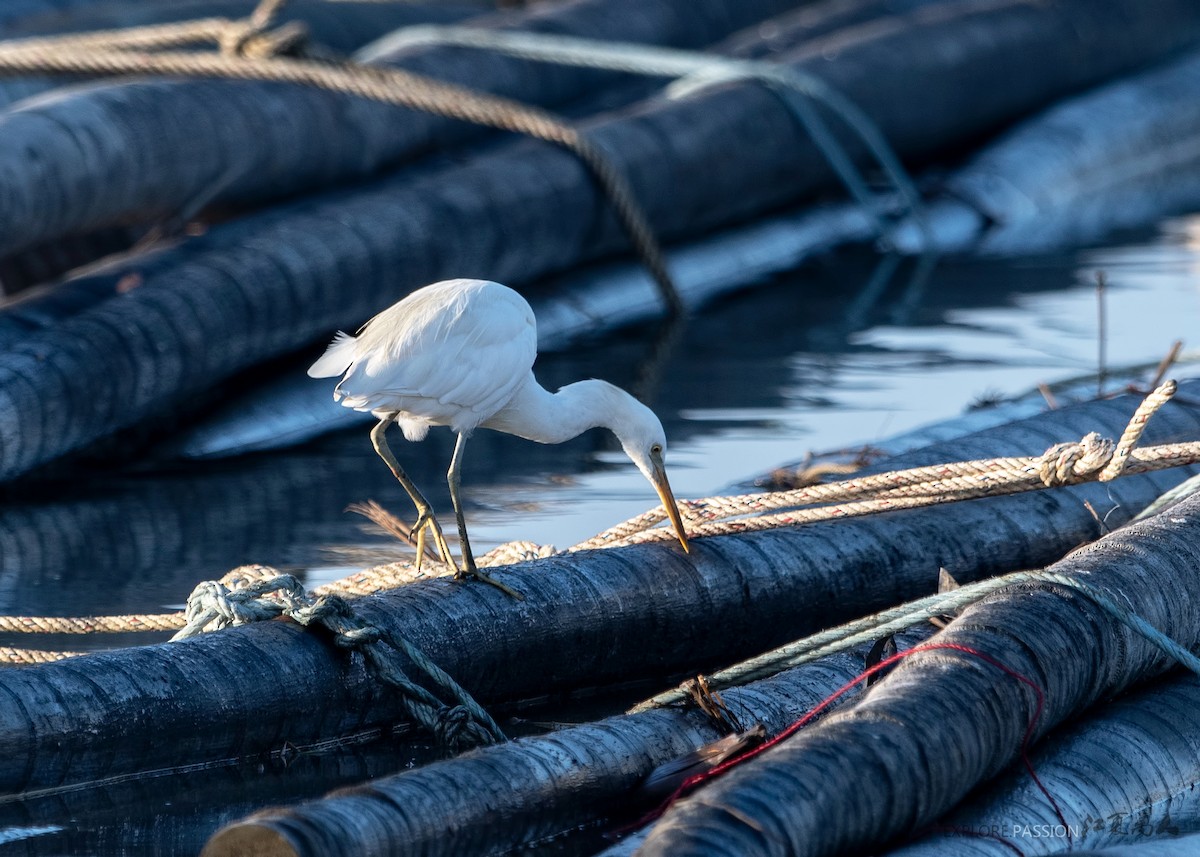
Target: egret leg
454 478
425 517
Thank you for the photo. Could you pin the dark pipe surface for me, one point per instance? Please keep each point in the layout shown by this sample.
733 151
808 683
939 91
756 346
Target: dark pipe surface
587 619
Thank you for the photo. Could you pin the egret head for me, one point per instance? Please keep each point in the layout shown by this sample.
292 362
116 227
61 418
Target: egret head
644 441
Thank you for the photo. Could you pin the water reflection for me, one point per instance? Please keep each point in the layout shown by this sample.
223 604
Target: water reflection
845 351
175 813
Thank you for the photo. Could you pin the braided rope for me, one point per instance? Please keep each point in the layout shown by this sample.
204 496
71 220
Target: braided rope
1090 459
110 52
1137 424
366 582
10 655
89 624
1169 498
240 577
1109 605
842 638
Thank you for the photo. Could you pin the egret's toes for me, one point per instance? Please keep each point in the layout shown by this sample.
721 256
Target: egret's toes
426 521
472 571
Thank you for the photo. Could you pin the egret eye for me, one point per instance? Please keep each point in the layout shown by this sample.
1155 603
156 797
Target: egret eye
656 449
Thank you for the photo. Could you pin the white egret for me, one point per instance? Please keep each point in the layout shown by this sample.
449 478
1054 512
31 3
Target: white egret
460 353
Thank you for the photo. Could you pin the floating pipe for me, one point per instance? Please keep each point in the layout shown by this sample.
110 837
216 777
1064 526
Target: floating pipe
942 722
269 284
1127 772
504 797
90 156
589 618
1123 155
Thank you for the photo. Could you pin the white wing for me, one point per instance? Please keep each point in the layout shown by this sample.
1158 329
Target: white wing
452 353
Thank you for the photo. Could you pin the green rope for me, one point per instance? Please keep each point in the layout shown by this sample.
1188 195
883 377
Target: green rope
694 70
1124 614
853 634
840 639
1169 498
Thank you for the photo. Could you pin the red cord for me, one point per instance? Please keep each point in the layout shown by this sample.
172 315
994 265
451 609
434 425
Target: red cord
692 782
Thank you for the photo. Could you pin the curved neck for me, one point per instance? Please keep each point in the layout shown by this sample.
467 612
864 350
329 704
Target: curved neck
535 413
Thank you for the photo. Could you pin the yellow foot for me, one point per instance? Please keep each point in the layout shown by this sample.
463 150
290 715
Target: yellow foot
472 571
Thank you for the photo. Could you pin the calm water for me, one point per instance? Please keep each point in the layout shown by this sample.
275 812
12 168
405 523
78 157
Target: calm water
840 353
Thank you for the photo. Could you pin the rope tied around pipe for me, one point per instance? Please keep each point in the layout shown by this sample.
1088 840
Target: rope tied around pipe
859 632
1092 458
1075 462
889 491
692 71
457 725
251 50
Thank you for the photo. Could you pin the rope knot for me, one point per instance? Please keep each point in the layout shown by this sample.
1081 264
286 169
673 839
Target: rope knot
335 613
1075 462
242 39
255 38
214 605
252 596
451 725
323 610
210 596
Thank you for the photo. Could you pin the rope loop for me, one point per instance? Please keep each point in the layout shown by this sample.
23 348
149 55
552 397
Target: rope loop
1075 462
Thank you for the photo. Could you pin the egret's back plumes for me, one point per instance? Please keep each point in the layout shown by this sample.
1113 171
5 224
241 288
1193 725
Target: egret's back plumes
336 359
